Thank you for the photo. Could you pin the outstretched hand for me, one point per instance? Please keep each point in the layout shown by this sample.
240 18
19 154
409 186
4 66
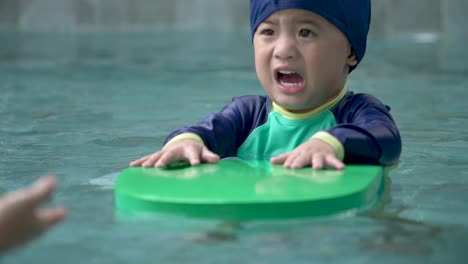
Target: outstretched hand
315 153
22 219
183 150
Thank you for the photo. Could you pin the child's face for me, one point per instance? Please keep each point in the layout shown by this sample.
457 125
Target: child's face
302 60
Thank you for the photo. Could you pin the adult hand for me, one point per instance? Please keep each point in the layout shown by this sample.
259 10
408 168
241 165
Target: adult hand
22 219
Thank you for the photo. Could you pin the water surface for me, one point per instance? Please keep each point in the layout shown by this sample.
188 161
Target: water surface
82 106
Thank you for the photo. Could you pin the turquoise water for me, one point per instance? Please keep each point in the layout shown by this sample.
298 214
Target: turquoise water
83 106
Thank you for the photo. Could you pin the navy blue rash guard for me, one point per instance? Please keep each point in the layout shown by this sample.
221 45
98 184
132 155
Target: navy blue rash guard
251 127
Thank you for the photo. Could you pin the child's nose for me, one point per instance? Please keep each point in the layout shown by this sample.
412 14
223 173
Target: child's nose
285 48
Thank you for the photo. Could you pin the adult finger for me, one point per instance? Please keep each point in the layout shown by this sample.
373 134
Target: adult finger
50 216
41 190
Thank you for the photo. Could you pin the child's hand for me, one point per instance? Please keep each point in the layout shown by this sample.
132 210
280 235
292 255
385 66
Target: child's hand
187 149
21 219
314 152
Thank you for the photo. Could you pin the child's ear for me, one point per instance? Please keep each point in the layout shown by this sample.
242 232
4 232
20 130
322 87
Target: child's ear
352 61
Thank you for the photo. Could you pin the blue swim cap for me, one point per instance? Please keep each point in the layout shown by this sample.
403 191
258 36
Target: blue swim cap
352 17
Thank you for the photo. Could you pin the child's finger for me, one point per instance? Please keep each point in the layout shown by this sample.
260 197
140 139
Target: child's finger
298 161
164 158
291 159
193 156
139 161
279 159
152 159
332 161
317 161
209 156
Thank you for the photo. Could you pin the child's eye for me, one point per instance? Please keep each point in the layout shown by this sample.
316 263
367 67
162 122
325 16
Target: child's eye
306 33
267 32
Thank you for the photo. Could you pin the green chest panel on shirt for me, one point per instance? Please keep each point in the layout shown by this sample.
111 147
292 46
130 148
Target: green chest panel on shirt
280 135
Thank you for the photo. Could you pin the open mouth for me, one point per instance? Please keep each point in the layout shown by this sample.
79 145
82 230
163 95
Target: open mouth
290 81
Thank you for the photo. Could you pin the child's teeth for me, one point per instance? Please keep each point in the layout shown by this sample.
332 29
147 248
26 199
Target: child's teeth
286 72
287 84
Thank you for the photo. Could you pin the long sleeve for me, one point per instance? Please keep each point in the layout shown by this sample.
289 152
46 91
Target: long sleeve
224 131
367 131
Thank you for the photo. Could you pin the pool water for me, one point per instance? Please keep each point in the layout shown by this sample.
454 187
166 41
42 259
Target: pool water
82 106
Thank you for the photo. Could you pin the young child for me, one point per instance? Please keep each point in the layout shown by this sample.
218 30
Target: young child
304 51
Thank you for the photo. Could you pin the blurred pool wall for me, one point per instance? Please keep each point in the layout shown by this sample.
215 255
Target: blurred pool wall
121 15
390 17
427 21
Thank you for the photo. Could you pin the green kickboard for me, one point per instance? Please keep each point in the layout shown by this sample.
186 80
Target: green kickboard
242 190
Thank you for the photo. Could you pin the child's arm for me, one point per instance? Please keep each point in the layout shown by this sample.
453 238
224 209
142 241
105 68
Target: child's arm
189 150
220 134
367 131
224 131
365 134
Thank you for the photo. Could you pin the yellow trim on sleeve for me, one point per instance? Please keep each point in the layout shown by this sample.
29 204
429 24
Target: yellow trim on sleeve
192 136
332 141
